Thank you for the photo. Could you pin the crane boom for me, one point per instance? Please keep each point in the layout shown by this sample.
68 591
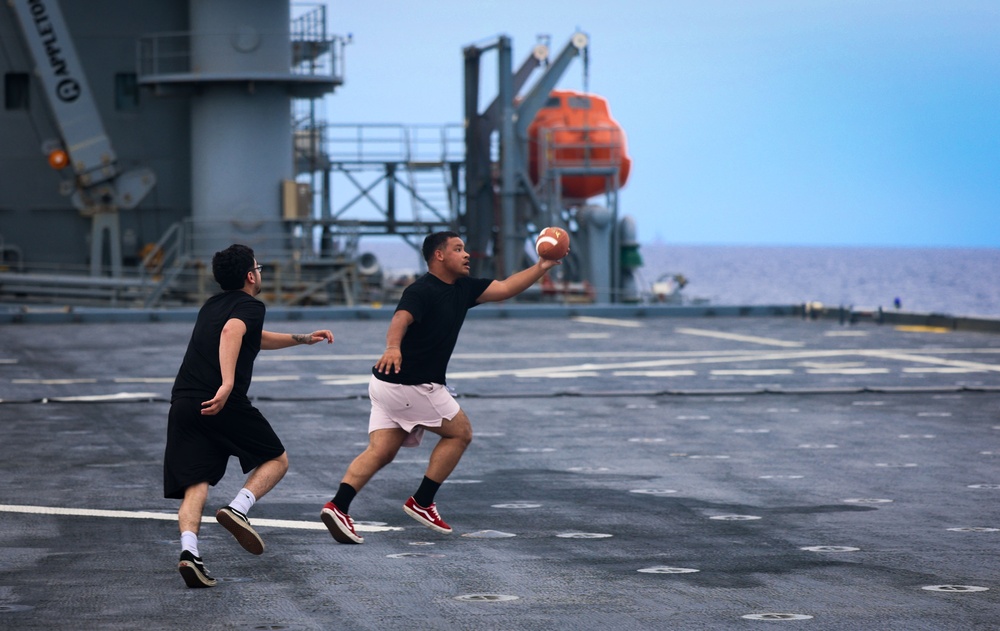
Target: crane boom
99 181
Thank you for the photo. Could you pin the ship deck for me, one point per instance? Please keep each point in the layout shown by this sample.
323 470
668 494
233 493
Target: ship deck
626 473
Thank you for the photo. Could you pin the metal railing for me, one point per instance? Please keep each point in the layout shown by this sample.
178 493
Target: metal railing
580 148
172 54
381 143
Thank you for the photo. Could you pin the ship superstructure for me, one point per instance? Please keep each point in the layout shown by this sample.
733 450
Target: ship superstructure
139 140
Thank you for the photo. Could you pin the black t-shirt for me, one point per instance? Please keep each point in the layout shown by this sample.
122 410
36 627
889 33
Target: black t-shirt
200 374
438 311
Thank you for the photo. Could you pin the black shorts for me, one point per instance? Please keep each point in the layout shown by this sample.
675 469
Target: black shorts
199 447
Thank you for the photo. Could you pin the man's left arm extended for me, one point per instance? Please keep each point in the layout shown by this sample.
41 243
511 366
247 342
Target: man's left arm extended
516 283
270 341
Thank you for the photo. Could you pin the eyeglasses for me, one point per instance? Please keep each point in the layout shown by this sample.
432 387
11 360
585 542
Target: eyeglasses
258 268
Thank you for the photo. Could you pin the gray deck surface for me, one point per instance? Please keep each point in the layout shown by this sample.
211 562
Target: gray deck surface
657 473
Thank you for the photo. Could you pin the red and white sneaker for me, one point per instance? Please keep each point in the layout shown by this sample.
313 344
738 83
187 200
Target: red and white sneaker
427 516
340 524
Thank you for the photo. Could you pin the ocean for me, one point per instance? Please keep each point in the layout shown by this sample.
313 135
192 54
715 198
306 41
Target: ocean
958 282
952 281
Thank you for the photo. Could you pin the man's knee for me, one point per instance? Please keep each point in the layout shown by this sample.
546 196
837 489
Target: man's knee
383 447
282 461
461 428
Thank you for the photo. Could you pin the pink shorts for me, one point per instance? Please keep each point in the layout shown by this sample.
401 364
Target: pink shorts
410 408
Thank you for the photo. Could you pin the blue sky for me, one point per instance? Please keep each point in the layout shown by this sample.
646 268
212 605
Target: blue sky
766 122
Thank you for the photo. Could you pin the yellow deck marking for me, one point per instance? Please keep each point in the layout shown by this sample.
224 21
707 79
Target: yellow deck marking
919 328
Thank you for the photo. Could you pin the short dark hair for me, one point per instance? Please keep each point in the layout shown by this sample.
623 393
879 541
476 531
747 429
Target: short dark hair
230 266
434 241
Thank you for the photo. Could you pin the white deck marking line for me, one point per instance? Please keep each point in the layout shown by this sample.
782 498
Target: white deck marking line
270 357
944 370
522 355
847 371
739 338
342 380
691 359
654 373
754 372
825 366
608 321
910 357
52 382
144 379
118 396
125 514
746 357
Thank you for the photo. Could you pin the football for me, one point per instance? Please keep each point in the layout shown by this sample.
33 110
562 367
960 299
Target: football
552 243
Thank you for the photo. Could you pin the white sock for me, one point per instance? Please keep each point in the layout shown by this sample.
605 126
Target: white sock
243 501
189 542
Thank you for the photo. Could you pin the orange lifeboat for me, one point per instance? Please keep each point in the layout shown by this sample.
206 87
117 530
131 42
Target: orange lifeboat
575 131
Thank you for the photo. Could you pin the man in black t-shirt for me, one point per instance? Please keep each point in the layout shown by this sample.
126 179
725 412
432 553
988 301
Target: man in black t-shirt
211 417
408 390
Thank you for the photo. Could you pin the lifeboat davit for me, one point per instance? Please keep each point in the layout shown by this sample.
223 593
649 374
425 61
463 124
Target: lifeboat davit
574 131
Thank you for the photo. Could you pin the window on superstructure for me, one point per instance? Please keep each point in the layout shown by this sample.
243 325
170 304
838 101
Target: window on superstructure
16 87
126 91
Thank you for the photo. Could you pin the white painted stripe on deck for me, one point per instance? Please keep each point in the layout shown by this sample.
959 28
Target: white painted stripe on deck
632 324
755 372
948 370
52 382
125 514
927 359
753 339
272 357
848 371
517 355
341 380
654 373
118 396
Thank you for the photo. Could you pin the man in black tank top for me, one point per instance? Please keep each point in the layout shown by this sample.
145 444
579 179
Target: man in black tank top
211 417
408 388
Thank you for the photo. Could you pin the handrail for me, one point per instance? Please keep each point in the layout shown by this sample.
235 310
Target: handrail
172 54
390 142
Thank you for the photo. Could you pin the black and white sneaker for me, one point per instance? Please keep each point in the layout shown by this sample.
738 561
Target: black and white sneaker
193 571
239 526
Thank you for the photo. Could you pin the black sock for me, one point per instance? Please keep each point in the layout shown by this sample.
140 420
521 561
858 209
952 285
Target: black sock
425 494
342 499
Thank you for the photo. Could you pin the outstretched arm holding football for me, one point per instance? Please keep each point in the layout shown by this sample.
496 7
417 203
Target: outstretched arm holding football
516 283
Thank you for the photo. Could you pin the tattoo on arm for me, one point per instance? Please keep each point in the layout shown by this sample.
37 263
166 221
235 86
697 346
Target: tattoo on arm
301 339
